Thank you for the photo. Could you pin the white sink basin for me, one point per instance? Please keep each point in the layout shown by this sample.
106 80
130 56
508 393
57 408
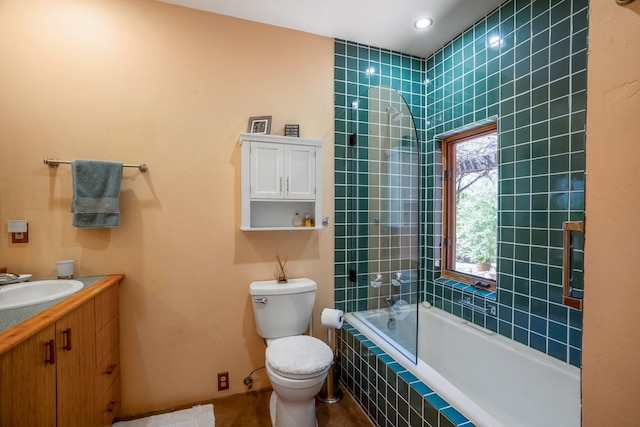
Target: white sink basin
29 293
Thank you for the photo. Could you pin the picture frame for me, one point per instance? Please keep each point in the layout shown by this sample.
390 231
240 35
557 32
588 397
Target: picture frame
292 130
259 124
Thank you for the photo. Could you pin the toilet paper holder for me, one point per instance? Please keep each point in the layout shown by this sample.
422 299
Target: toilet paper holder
330 392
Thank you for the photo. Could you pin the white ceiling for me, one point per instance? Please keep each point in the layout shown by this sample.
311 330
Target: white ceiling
382 23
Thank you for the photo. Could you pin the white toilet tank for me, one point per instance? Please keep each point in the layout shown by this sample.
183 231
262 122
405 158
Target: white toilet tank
282 309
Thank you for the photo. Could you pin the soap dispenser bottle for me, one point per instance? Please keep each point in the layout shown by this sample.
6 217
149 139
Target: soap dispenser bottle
297 220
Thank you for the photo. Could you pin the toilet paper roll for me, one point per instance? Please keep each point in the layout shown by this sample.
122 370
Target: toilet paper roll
332 318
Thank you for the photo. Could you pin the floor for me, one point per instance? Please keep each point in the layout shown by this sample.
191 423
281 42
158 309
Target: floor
252 410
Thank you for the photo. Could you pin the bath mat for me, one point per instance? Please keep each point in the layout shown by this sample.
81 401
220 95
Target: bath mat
198 416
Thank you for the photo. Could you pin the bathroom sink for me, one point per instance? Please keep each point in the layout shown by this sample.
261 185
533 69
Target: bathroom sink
30 293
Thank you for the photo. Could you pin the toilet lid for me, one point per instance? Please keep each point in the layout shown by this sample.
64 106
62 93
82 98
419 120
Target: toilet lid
299 357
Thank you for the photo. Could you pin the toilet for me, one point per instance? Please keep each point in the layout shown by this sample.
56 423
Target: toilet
296 364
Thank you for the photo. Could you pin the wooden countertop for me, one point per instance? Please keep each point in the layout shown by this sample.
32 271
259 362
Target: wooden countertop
29 327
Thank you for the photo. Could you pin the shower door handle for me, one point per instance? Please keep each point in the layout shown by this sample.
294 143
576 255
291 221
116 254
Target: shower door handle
567 229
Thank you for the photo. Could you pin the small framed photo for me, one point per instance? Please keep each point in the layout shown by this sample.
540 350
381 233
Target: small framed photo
291 130
260 124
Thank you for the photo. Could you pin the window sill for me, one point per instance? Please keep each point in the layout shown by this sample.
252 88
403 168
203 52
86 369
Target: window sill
490 295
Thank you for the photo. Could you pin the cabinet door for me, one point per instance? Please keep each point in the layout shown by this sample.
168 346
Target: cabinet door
267 171
300 167
28 382
76 338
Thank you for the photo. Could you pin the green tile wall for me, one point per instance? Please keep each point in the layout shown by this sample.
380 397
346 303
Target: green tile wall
405 74
533 82
524 65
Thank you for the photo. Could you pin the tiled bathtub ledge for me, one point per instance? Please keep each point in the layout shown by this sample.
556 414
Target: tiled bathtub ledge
489 295
390 394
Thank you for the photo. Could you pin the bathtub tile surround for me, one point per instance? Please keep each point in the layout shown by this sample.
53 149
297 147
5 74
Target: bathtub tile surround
391 395
525 65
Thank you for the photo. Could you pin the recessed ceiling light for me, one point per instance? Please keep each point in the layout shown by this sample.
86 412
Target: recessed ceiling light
423 23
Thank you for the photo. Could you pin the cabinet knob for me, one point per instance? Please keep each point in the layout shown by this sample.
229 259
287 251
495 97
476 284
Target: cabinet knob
112 406
111 368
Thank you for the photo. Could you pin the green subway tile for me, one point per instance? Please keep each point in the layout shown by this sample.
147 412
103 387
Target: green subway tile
539 148
559 182
560 50
540 7
523 185
539 219
493 20
559 69
507 155
579 101
507 203
523 152
507 139
560 10
559 145
539 166
561 30
540 113
577 181
507 234
579 81
576 201
539 254
539 131
578 121
507 186
559 201
523 203
559 126
540 95
539 202
540 23
540 77
540 184
522 219
507 11
559 88
521 269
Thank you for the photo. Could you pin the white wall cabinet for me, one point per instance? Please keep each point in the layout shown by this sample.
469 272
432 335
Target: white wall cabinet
280 176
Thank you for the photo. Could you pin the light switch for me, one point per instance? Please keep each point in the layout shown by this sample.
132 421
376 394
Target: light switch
17 226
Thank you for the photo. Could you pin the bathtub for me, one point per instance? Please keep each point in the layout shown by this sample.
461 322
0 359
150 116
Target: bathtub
491 380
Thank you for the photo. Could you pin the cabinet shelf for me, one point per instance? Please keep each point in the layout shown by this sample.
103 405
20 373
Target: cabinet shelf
280 228
280 176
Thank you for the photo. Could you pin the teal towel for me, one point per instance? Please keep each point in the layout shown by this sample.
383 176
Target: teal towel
96 193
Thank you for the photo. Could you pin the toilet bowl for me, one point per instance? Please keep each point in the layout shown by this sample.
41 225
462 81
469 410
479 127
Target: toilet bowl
297 367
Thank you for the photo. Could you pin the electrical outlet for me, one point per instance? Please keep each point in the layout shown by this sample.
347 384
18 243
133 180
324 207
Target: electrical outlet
223 381
20 237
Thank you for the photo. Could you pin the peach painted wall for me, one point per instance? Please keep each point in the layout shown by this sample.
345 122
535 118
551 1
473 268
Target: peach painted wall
144 81
610 375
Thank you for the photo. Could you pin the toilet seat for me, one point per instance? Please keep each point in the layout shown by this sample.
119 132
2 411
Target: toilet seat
299 357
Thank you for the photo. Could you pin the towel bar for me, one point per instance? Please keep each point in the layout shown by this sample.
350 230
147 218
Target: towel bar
55 162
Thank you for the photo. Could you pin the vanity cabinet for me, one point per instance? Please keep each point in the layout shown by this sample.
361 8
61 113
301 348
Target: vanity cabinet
50 376
107 356
61 368
280 176
28 383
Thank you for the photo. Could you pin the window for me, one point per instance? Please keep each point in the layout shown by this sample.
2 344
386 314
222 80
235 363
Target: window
470 217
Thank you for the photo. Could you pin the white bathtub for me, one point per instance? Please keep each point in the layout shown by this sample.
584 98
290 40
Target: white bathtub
491 380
